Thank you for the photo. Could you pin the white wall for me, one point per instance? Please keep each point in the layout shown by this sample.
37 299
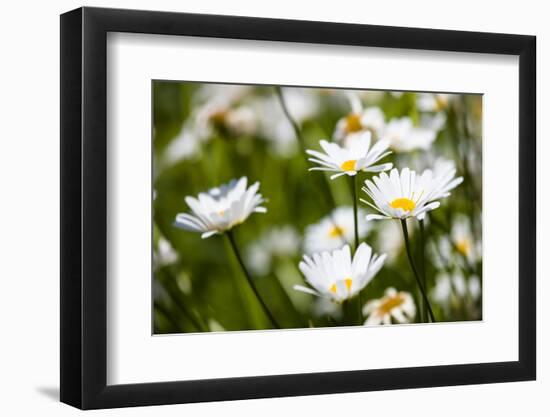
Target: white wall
29 174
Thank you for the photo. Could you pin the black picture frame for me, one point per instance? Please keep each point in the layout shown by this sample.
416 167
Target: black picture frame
84 207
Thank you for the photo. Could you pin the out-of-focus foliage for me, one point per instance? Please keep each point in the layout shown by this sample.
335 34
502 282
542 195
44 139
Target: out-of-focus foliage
206 134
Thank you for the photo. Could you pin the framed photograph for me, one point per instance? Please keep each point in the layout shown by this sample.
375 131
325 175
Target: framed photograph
258 208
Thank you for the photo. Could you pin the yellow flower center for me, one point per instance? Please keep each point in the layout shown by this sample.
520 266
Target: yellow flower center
218 118
390 303
348 282
221 212
463 246
348 165
403 203
353 123
336 231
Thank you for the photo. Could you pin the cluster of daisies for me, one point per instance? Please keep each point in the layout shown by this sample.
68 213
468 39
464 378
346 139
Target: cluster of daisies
236 111
338 264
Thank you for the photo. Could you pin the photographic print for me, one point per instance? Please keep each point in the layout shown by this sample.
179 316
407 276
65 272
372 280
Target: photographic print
280 207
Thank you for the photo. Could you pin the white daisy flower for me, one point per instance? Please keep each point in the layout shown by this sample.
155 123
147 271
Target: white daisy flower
403 136
402 195
432 102
359 120
334 231
356 156
395 305
221 208
338 277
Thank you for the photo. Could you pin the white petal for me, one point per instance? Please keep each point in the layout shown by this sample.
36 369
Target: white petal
305 289
370 217
209 233
379 168
337 175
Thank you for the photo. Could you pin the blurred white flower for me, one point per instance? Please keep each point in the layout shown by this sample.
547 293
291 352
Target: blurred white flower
225 94
221 208
359 120
435 122
214 106
458 248
241 121
431 102
334 231
403 136
464 241
301 103
442 290
281 241
237 120
402 195
338 277
275 127
395 305
474 287
165 253
390 239
184 146
258 259
356 156
455 284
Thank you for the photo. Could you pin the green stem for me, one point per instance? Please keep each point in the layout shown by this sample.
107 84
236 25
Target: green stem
353 182
180 302
423 262
231 239
413 267
283 284
326 190
297 130
159 308
352 312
